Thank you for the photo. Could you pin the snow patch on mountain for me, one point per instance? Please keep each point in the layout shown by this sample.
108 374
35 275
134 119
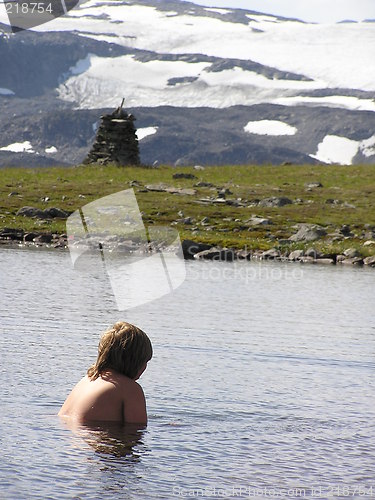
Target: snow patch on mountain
4 91
19 147
336 149
145 132
339 55
269 127
367 147
346 102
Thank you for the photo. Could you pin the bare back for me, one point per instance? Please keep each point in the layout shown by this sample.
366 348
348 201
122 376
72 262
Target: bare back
112 397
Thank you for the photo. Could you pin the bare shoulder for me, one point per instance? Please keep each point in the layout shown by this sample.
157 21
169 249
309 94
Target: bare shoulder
130 387
134 409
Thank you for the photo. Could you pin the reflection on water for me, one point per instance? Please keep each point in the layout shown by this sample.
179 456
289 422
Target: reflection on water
110 439
262 376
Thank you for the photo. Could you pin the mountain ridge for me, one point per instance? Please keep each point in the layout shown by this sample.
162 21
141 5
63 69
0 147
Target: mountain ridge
82 69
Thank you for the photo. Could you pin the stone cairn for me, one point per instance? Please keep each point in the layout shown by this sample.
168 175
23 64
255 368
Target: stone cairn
116 140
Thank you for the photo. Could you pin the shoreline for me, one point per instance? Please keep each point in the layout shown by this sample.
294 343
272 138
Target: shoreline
319 214
194 250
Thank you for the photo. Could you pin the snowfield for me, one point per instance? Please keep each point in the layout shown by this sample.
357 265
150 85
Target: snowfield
334 149
19 147
332 56
269 127
145 132
254 87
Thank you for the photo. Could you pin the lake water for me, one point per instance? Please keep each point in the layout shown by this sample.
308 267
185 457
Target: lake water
262 383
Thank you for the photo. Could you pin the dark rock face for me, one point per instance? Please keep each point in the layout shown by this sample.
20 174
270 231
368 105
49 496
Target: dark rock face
116 140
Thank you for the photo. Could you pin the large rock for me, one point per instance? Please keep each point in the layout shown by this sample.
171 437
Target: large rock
308 233
11 234
274 202
354 261
162 188
369 261
295 255
32 212
183 175
48 213
271 254
325 261
190 248
255 220
352 253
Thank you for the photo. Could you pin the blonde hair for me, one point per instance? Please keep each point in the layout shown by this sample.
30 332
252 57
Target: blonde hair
124 348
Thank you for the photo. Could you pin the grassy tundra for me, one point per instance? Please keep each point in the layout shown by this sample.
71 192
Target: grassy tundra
347 197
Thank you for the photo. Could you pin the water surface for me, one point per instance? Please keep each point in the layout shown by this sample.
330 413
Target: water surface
262 378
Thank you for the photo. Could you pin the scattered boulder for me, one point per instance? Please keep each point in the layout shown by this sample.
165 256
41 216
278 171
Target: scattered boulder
215 253
182 175
255 220
370 235
355 261
348 205
352 253
296 255
325 261
190 248
307 259
47 213
308 233
271 254
186 220
275 201
345 231
222 192
31 212
55 212
369 261
244 254
203 184
311 252
11 234
29 237
43 238
313 185
170 189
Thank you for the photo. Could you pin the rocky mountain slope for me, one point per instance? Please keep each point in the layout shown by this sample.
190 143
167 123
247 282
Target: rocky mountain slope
208 86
